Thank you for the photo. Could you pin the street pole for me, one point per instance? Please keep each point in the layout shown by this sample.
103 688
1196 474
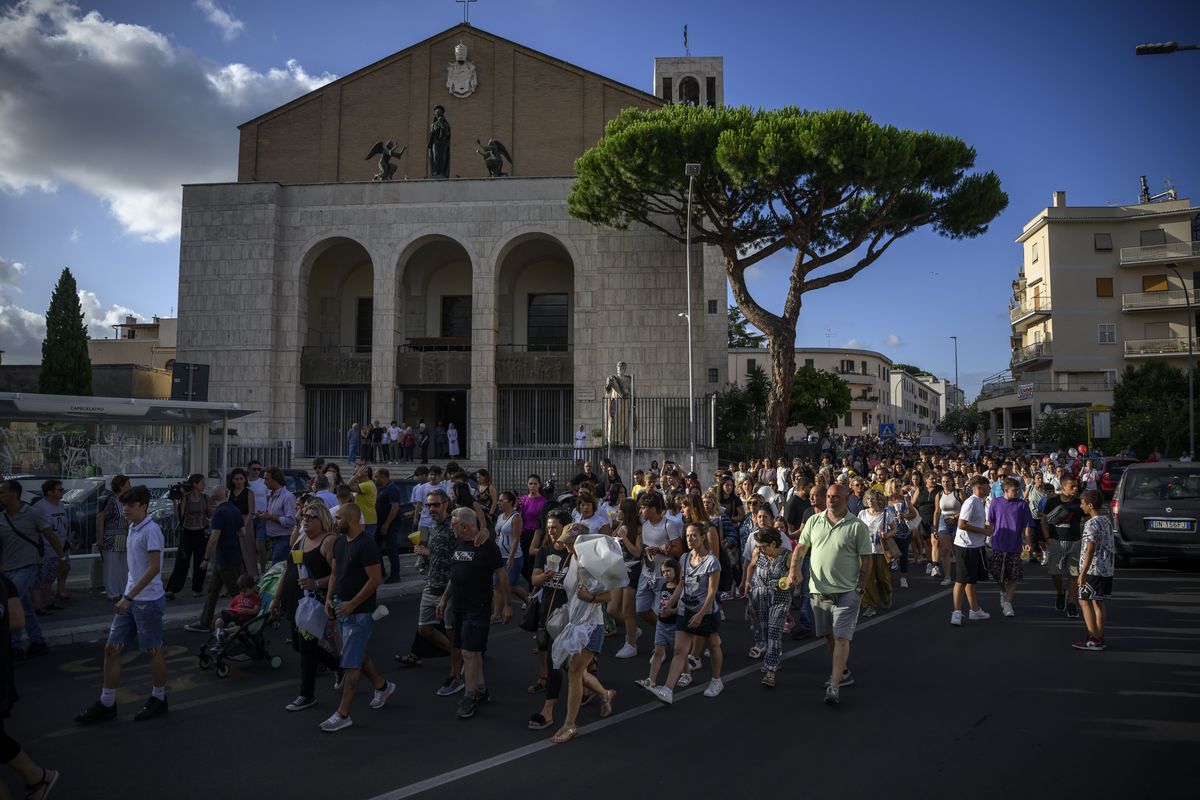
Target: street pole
691 170
1187 298
955 338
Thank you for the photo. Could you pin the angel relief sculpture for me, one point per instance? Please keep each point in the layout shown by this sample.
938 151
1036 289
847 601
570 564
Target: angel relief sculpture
386 152
494 155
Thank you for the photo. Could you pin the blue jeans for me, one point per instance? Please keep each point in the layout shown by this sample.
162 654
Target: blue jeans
806 616
24 579
279 548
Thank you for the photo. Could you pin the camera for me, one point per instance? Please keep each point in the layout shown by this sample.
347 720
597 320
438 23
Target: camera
176 491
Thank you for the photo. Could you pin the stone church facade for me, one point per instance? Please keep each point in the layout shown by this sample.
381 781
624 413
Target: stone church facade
320 297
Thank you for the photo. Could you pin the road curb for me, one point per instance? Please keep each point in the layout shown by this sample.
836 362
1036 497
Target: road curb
92 629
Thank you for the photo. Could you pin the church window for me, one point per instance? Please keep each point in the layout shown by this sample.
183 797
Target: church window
710 91
713 375
548 325
689 91
667 89
456 315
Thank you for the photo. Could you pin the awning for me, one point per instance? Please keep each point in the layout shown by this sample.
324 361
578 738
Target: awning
67 408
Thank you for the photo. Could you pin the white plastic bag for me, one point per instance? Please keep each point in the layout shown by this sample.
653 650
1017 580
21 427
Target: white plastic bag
601 562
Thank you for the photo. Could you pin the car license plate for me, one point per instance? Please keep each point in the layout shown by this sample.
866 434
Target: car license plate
1171 524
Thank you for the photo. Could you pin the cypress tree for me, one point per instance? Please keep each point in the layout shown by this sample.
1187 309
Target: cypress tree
66 366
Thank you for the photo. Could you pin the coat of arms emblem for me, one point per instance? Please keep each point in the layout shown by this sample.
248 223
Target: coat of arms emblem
460 73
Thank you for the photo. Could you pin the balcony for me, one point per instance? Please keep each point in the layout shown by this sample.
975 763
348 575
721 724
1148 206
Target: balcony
335 366
1150 348
1153 301
997 389
1037 351
1154 253
428 363
1038 307
538 365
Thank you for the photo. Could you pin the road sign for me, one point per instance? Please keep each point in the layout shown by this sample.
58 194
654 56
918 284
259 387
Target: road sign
887 430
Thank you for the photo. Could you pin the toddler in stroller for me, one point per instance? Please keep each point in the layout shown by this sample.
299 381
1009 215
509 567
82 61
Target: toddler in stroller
239 630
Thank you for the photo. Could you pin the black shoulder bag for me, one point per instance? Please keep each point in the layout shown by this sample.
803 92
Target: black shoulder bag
40 544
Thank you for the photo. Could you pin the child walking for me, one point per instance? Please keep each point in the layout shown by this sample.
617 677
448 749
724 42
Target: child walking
664 628
768 564
1096 558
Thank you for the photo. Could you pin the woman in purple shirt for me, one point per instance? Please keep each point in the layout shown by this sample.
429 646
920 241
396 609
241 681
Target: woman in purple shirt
1011 536
530 507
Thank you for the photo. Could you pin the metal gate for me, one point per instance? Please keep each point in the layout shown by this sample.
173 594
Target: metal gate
535 416
328 414
510 466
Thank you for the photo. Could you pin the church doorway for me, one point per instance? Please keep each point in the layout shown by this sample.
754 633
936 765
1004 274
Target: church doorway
437 408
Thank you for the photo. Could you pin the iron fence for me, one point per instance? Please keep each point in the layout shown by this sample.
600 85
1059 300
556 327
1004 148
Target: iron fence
328 414
511 466
276 454
535 416
661 423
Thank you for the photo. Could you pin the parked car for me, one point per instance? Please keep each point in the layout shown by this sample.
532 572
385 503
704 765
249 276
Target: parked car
1114 468
1156 508
296 481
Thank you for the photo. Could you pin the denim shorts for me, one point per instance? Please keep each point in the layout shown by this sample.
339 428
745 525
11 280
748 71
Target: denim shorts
513 573
596 641
260 530
470 630
355 630
647 592
664 633
143 621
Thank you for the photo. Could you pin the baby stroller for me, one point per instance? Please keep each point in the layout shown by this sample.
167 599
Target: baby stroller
245 641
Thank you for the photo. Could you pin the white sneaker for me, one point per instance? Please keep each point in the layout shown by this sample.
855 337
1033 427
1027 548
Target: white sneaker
382 695
947 582
929 568
693 662
685 679
628 651
335 723
980 614
904 583
1007 609
956 618
715 687
663 693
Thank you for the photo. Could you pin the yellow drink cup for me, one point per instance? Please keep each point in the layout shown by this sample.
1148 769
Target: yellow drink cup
298 556
415 538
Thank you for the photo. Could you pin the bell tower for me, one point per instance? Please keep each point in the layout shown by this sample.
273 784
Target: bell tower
698 80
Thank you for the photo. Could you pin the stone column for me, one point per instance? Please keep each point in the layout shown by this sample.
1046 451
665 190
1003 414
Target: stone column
1006 417
383 342
484 331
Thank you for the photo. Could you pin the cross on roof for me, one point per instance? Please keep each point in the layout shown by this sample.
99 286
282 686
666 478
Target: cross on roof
466 4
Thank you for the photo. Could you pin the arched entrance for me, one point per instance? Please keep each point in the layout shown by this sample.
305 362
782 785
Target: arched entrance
433 362
535 287
335 366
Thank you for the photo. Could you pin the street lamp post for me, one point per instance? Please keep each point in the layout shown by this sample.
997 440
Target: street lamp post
955 338
1163 48
691 170
1187 299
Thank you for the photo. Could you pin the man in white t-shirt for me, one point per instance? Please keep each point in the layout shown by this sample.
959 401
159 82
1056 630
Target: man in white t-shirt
969 562
661 539
139 614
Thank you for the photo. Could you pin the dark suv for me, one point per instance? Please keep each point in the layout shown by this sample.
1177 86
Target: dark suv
1157 508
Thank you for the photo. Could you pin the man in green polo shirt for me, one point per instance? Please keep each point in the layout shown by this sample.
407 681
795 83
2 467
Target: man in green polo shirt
839 568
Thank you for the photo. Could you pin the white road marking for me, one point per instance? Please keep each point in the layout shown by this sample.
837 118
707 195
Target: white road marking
468 770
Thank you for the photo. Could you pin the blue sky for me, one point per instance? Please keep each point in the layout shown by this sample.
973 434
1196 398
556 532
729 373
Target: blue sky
106 107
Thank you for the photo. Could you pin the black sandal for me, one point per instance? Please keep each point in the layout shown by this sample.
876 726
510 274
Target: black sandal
538 687
537 722
36 791
409 660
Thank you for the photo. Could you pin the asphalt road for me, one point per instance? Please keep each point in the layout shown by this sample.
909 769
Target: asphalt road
992 709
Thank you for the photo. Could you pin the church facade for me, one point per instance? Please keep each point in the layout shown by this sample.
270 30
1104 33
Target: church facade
321 297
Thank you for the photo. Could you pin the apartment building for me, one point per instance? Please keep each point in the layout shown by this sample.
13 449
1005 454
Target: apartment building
916 404
147 344
1099 288
867 372
950 396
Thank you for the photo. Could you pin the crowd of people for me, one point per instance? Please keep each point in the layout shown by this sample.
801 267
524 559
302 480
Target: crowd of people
398 443
812 546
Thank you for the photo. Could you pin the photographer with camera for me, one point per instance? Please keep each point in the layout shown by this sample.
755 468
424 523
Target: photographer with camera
193 512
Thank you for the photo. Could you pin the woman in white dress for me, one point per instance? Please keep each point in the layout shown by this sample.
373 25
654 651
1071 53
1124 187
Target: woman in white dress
452 439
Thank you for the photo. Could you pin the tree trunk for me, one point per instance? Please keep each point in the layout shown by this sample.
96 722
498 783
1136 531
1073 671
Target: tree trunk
781 345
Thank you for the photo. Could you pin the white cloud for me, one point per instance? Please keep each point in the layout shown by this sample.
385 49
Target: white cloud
894 340
22 330
230 25
121 112
851 343
74 237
